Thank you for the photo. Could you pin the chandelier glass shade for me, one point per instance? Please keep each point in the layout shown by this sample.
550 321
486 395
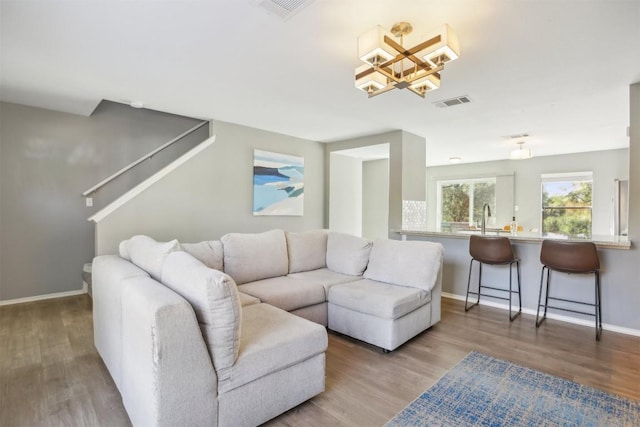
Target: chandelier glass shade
389 65
521 153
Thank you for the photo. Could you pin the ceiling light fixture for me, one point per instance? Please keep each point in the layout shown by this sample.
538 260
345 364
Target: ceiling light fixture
389 65
521 153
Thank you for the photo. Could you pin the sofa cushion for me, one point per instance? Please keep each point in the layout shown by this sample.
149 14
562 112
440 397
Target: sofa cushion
286 293
208 252
307 250
272 339
377 298
415 264
215 300
325 277
255 256
246 299
347 254
147 253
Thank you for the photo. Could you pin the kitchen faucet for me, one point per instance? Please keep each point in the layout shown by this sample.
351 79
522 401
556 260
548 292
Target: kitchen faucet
484 222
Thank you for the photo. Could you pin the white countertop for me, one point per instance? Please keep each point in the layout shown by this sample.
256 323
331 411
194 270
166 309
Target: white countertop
602 241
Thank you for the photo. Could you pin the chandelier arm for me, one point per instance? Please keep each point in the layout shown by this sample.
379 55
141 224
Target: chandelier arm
399 57
417 48
365 73
384 70
409 54
420 64
379 91
417 92
424 45
428 73
387 73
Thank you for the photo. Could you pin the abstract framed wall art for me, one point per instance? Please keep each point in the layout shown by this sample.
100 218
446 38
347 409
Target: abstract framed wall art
278 184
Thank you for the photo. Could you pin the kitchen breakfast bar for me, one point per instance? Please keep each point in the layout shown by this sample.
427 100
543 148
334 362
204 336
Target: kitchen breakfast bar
619 271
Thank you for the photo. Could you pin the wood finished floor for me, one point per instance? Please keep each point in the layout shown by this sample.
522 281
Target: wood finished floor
51 375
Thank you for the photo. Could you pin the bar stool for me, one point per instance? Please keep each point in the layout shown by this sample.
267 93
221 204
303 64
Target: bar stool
492 251
571 258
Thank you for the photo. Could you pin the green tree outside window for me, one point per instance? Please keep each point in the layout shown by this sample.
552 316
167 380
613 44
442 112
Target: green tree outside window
566 208
461 201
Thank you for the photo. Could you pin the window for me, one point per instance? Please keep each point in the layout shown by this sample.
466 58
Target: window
566 204
460 202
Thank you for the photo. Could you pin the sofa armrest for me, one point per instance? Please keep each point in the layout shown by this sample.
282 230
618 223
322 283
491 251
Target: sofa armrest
109 273
167 374
436 299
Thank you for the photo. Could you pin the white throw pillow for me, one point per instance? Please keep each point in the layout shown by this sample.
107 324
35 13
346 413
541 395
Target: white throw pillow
347 254
415 264
307 250
209 253
255 256
148 254
215 299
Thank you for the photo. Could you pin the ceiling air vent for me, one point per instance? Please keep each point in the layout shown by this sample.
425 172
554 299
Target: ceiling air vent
285 9
517 136
453 101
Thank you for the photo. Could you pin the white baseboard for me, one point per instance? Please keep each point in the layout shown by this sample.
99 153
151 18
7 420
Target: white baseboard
47 296
583 322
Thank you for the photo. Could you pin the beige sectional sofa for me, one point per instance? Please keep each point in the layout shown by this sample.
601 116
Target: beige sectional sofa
232 332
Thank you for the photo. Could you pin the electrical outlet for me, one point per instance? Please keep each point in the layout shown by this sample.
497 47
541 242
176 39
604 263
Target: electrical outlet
89 201
516 208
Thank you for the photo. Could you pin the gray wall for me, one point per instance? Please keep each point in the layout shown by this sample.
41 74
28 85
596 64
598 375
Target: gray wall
48 159
345 194
133 133
606 166
406 168
634 167
392 138
375 199
413 168
212 194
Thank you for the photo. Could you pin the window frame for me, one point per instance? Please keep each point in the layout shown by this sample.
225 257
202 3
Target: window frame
471 182
575 177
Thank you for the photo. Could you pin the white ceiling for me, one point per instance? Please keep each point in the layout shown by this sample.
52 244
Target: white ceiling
558 70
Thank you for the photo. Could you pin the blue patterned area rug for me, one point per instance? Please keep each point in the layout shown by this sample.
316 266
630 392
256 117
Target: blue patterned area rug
483 391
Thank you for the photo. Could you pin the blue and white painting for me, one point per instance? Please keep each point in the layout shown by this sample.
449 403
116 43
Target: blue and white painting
278 184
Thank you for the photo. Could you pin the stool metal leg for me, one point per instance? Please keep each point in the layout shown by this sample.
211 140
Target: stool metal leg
510 280
598 307
519 289
511 318
569 258
466 301
546 298
539 322
479 281
468 306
